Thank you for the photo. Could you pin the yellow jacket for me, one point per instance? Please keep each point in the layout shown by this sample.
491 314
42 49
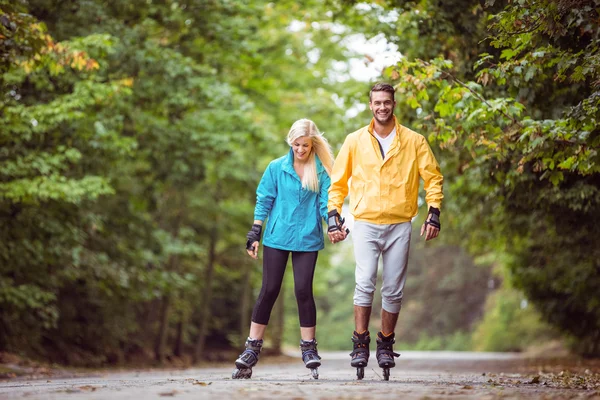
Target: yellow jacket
384 191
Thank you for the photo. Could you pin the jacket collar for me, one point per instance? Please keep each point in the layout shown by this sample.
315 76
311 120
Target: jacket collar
395 146
371 127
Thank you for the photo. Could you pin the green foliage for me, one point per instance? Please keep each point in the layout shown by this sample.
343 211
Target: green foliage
134 135
518 131
510 323
458 341
22 37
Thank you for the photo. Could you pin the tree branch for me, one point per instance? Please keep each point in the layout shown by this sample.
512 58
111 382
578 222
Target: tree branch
483 100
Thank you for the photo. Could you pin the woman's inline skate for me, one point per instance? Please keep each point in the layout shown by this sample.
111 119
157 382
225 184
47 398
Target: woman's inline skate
247 359
310 356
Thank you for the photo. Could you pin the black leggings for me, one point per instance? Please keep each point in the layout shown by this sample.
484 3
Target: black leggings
274 263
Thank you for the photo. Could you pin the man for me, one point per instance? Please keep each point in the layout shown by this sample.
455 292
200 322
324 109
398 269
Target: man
385 161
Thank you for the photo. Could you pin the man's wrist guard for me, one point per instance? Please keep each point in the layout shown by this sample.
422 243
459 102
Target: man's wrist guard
433 218
253 236
335 222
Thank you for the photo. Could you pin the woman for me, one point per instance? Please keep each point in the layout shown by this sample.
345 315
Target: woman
292 196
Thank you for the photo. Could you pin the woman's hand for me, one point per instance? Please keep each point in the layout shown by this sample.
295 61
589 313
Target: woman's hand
253 251
253 237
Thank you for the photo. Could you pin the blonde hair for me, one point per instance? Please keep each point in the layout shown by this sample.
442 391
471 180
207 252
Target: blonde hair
320 146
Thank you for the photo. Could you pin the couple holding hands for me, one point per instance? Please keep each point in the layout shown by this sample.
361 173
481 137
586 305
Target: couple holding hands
386 162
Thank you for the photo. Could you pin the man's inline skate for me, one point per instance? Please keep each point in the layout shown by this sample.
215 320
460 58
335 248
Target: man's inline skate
360 353
247 359
310 356
385 353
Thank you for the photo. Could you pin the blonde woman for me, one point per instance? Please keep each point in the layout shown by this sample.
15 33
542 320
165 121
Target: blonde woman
292 197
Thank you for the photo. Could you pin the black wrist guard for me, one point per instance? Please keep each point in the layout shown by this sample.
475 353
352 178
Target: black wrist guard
253 236
433 218
335 222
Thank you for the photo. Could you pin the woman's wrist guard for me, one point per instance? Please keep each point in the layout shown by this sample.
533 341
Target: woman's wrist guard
253 235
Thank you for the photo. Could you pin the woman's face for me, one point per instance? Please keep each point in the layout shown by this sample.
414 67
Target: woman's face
302 147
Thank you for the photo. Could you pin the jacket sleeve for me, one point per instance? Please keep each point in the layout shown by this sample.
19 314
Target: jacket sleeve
340 173
429 170
265 194
325 183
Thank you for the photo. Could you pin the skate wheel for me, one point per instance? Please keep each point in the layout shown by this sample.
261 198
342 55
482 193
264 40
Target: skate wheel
242 373
386 374
360 373
315 373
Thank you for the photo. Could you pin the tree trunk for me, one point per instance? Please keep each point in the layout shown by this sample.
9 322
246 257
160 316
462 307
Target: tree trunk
161 340
181 325
206 296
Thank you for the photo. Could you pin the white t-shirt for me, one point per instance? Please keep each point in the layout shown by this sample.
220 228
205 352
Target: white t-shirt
386 142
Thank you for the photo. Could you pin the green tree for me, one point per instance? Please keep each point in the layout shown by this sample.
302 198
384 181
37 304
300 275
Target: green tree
135 136
514 110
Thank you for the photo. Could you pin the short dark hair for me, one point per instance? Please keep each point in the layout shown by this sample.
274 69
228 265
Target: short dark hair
382 87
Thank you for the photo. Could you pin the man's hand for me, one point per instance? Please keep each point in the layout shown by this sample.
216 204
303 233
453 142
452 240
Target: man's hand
431 227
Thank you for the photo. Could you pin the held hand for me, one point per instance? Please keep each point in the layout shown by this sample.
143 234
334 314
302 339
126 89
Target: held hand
334 237
339 235
336 229
253 252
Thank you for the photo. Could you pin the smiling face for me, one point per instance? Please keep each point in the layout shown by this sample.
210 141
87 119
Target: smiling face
382 105
302 147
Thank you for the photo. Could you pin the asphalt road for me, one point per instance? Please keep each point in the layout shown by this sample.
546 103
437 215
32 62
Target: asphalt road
418 375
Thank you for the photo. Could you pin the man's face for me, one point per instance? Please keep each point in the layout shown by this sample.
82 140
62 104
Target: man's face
382 105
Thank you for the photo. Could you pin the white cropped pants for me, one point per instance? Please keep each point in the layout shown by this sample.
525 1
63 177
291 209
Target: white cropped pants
392 243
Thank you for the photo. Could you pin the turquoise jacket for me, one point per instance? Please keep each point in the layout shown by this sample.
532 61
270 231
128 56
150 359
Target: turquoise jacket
294 214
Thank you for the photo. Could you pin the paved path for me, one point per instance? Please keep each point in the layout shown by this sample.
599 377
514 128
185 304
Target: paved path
418 375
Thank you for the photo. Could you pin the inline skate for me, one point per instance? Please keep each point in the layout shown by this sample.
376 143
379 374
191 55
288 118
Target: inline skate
247 359
310 356
360 353
385 353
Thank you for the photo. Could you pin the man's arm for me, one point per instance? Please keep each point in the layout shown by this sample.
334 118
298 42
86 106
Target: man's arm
429 170
341 172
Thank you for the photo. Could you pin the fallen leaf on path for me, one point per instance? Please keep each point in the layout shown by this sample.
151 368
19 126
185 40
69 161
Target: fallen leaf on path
202 383
169 394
